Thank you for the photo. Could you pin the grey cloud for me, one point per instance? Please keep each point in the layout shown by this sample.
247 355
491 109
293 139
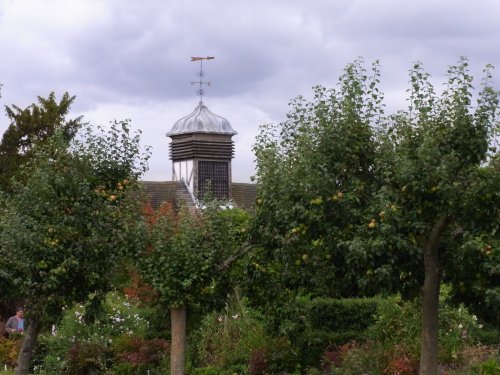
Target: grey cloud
118 55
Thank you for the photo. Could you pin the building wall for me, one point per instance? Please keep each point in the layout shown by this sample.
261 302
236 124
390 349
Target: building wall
183 171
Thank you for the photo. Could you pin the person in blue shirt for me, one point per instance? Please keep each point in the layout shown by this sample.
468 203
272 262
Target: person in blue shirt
16 322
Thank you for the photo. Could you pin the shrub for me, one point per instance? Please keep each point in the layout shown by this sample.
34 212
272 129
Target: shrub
364 359
397 326
488 335
141 369
209 370
489 367
117 317
401 363
258 361
227 338
276 357
137 350
87 358
282 358
323 323
334 358
9 350
340 315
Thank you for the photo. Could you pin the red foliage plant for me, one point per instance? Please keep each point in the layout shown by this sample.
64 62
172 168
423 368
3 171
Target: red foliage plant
335 357
402 365
258 362
138 350
139 291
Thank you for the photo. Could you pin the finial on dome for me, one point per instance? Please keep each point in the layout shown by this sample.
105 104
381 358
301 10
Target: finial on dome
201 74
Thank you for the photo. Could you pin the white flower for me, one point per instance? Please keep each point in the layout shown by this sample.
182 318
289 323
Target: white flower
235 316
460 326
474 317
219 318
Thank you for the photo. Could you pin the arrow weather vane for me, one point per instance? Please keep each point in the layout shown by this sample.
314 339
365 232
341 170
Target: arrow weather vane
201 74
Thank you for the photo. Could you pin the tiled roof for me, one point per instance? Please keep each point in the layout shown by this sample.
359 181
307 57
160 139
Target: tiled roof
244 195
157 192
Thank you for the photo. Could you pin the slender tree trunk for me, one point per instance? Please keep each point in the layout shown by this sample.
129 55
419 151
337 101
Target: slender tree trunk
178 344
29 342
430 305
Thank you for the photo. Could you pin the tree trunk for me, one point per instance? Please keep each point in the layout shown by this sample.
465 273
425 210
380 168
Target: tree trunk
430 305
29 342
178 344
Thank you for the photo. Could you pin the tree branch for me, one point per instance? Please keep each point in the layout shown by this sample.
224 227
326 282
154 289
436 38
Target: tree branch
244 249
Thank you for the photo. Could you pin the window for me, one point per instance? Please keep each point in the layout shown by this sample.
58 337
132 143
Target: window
213 177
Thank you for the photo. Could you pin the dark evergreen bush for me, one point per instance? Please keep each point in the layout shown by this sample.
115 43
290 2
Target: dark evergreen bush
328 323
341 315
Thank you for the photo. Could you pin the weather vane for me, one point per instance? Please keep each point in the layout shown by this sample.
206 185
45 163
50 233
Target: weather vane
201 74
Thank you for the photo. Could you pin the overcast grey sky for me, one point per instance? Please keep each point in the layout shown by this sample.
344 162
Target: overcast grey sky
131 59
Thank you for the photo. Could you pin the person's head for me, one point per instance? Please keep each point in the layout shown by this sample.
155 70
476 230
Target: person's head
20 312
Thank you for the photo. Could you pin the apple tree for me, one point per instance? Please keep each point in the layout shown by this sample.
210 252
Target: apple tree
352 202
65 226
317 174
437 159
187 259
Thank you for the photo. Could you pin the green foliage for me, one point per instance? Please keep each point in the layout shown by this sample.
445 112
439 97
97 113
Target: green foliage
279 357
434 166
312 325
209 370
349 201
489 367
227 338
141 369
185 258
86 358
330 323
355 314
9 350
398 328
119 328
347 198
359 360
489 335
315 175
118 317
473 267
69 223
30 126
136 355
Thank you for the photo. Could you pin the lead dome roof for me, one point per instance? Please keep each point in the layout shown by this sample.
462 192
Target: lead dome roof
202 120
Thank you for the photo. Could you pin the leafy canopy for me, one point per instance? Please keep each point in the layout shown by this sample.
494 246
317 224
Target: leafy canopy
34 124
348 196
66 223
184 261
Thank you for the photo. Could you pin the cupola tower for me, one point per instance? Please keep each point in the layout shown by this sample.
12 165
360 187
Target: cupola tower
202 148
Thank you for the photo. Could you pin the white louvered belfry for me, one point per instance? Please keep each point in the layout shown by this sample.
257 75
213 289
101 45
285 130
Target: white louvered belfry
201 151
